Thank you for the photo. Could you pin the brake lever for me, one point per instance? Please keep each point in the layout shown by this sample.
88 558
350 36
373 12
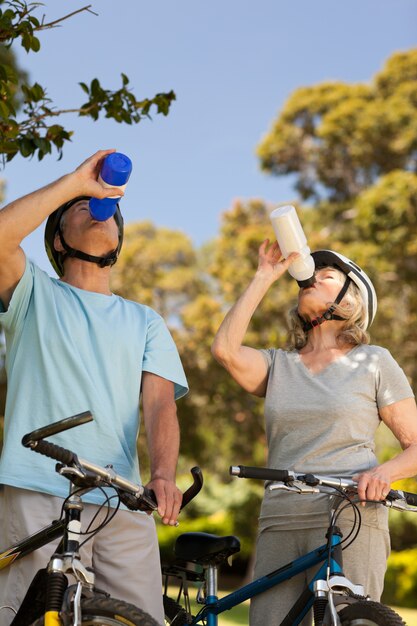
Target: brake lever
145 502
148 498
78 476
295 487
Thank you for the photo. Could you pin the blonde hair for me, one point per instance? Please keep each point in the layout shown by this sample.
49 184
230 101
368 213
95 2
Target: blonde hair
353 331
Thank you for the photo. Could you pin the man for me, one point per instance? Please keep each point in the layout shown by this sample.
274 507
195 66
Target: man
74 346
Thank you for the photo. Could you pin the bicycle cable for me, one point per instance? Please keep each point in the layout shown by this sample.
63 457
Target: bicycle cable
343 503
108 515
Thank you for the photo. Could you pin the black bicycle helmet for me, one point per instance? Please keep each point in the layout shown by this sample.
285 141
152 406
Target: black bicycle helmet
326 258
53 227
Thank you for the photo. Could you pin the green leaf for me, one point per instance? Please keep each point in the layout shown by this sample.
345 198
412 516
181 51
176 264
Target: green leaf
4 110
43 144
84 87
26 41
37 92
26 91
35 44
11 108
11 154
11 74
27 147
34 21
95 87
8 15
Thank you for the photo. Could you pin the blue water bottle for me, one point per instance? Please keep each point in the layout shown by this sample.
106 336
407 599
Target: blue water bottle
115 172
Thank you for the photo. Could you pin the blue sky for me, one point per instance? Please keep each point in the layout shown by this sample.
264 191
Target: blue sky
232 64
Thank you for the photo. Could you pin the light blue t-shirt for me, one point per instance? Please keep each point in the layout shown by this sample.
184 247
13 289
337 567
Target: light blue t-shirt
69 351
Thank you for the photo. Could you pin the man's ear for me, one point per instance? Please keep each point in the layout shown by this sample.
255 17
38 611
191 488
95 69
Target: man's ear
58 244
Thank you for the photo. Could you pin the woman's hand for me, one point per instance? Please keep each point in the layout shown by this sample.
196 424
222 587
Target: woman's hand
373 485
270 261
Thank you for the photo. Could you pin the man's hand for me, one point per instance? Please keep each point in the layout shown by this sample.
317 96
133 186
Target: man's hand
86 175
169 499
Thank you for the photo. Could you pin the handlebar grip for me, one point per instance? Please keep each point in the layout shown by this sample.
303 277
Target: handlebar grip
410 498
148 502
54 452
56 427
195 488
260 473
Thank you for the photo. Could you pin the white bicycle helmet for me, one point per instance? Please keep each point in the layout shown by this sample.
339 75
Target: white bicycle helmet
326 258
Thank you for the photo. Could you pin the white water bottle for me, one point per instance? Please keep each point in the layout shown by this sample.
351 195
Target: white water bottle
291 238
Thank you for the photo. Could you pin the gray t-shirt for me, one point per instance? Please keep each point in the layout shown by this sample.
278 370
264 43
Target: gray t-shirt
325 423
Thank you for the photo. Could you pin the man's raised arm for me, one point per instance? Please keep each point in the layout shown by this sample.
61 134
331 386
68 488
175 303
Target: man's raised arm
21 217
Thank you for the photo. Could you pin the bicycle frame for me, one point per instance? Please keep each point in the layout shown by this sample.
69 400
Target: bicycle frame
31 543
52 582
214 606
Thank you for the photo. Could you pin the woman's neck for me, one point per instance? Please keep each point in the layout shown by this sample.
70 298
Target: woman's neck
324 338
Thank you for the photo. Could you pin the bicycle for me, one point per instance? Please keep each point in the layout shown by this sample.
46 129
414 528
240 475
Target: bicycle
335 600
49 599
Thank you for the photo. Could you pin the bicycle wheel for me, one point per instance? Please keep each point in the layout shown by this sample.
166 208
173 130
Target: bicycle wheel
102 611
367 613
175 614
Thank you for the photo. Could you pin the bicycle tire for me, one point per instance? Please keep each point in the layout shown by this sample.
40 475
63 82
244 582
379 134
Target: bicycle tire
102 611
175 614
368 613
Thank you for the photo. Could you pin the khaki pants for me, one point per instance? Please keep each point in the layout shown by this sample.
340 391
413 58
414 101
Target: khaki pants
364 563
124 554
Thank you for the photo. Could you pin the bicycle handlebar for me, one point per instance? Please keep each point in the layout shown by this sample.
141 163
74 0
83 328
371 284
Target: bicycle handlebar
88 475
313 480
261 473
57 427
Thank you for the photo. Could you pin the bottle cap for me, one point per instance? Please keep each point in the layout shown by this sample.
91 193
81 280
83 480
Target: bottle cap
116 169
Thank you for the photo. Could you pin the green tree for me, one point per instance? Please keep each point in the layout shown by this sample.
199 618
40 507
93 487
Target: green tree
339 139
34 130
157 267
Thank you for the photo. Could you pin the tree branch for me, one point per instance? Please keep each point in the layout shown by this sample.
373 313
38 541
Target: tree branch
38 118
53 24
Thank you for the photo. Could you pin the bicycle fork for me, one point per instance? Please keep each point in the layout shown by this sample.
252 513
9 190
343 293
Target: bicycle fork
67 562
331 587
57 584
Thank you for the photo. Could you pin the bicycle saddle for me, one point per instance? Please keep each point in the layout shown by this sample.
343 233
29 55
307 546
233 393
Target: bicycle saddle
205 548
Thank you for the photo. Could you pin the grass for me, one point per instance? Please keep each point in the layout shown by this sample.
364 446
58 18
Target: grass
239 615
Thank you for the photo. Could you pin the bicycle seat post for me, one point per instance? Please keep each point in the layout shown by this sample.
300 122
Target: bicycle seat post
211 578
211 592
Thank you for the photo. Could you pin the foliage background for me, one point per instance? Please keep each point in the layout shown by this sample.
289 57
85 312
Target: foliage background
351 152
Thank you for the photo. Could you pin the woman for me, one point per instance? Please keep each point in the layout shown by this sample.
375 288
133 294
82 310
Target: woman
324 400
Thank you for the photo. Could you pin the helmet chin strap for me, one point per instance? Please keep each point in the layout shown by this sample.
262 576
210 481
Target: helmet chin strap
327 315
101 261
